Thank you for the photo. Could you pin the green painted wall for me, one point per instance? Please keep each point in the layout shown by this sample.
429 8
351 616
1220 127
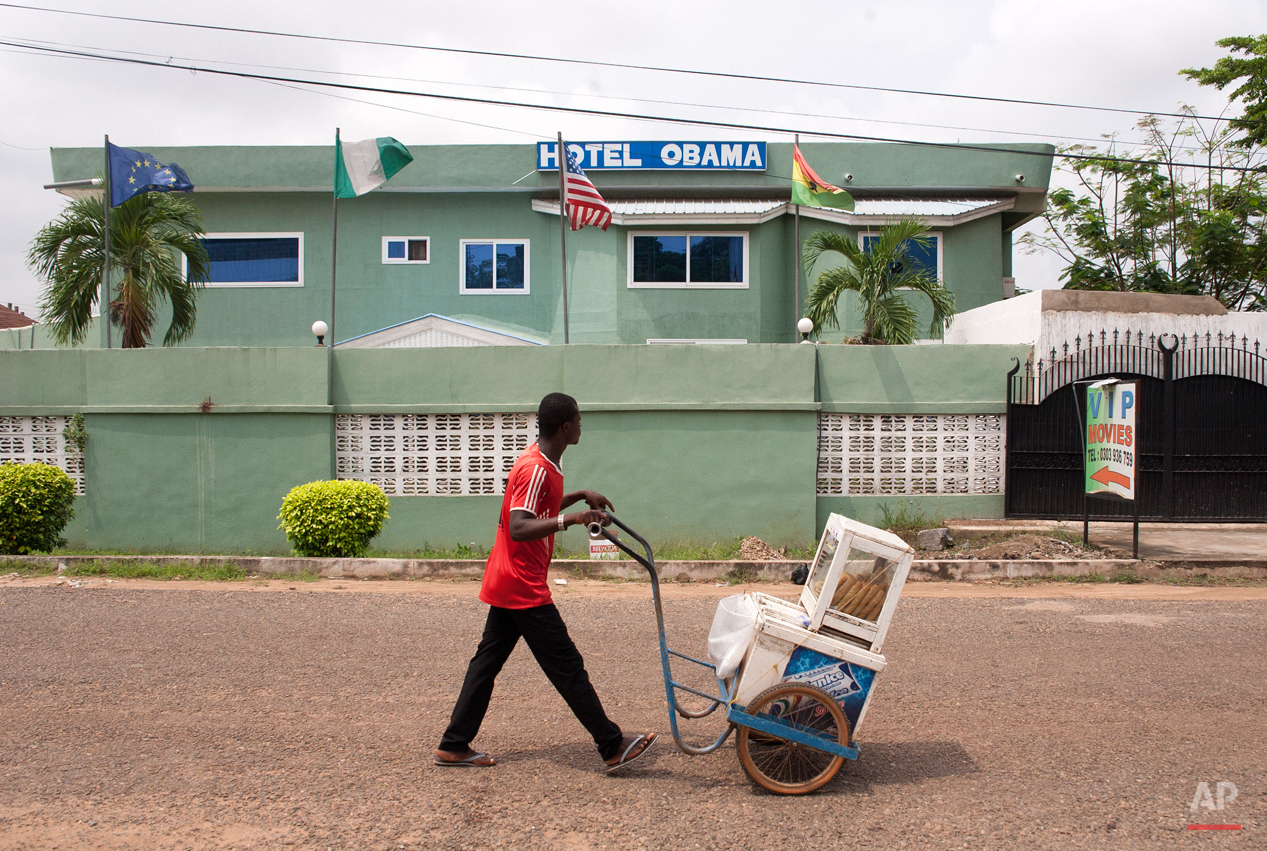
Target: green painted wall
38 337
441 168
692 443
681 476
701 476
916 379
601 377
35 381
197 483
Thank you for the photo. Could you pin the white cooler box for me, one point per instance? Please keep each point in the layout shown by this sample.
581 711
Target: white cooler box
785 650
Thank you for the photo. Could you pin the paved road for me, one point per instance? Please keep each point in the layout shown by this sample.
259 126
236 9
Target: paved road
225 718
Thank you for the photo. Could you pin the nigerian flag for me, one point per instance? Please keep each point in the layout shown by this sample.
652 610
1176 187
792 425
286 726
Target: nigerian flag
810 190
362 166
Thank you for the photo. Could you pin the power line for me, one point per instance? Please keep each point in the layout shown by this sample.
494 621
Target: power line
576 110
582 95
538 136
620 65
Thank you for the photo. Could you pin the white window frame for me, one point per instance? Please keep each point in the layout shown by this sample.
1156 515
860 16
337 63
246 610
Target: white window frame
184 261
392 261
935 235
463 243
629 261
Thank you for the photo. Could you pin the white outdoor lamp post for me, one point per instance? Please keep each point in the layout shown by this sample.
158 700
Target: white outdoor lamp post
320 329
805 326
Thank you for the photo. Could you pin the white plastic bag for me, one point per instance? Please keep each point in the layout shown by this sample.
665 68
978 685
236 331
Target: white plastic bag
734 627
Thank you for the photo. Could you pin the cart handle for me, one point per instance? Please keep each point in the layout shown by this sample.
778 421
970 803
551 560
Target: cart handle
597 530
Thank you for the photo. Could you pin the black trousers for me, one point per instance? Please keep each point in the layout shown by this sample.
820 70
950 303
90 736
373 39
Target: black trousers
547 637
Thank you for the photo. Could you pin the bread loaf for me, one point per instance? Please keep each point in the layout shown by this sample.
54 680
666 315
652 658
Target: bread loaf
863 601
842 590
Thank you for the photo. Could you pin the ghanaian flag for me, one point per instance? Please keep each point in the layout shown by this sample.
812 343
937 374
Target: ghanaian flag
811 190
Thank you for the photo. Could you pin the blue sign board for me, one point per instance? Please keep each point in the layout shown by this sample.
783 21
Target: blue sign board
687 156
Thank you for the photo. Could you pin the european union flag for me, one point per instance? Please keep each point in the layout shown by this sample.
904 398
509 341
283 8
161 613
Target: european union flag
132 172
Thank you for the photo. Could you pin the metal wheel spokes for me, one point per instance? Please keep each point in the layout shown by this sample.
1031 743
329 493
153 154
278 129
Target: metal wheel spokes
787 767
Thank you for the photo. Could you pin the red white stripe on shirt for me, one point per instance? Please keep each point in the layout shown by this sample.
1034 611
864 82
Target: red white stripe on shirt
584 205
534 492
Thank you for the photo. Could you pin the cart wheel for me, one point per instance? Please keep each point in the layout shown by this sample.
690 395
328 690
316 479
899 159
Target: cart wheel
785 767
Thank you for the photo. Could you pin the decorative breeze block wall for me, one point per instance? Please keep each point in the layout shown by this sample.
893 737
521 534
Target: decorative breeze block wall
906 454
27 439
432 454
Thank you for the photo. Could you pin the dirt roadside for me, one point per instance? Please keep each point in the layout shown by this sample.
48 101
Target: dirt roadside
594 588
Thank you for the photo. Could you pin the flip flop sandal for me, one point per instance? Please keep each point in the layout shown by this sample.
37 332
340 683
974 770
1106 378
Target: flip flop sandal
630 754
472 761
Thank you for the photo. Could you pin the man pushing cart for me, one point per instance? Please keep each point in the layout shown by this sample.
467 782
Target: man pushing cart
794 678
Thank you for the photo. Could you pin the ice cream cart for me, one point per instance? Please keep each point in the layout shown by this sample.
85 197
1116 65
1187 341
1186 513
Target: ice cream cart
805 679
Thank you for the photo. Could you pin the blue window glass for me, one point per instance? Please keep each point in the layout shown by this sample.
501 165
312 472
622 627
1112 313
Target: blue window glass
922 255
659 259
510 265
717 259
479 266
396 250
255 260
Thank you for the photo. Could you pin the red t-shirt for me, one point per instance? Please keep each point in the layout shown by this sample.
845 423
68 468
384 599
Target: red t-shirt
516 573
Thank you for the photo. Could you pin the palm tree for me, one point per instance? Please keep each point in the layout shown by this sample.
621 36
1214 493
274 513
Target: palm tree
148 235
877 274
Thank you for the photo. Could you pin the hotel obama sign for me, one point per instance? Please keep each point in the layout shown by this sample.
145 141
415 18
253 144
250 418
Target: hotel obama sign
643 156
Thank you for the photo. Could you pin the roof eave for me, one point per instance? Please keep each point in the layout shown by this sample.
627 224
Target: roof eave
847 218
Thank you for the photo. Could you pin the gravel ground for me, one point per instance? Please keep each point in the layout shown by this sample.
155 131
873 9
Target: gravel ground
221 718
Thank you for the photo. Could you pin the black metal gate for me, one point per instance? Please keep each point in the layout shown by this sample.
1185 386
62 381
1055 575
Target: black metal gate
1201 432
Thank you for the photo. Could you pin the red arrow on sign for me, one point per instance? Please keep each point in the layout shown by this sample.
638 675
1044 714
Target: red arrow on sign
1106 477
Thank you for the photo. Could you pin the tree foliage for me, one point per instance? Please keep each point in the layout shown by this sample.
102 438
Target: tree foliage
148 234
1180 212
878 274
1250 74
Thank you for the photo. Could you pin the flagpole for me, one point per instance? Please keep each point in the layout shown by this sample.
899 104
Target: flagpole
334 242
560 155
796 285
105 274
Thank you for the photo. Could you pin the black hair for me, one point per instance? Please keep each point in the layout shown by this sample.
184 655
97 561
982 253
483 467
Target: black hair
555 410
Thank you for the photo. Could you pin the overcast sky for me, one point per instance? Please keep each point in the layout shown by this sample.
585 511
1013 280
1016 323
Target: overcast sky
1115 53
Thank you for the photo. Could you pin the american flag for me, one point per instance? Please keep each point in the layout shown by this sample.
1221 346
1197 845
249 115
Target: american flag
584 205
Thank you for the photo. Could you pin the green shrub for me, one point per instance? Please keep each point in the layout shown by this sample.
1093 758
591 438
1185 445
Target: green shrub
333 519
35 506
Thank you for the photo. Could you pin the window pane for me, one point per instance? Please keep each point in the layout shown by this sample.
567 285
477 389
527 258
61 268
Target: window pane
510 266
253 260
417 250
717 259
924 255
395 250
479 267
659 259
921 255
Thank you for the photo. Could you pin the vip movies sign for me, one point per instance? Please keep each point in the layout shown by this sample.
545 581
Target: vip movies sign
1111 439
640 156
